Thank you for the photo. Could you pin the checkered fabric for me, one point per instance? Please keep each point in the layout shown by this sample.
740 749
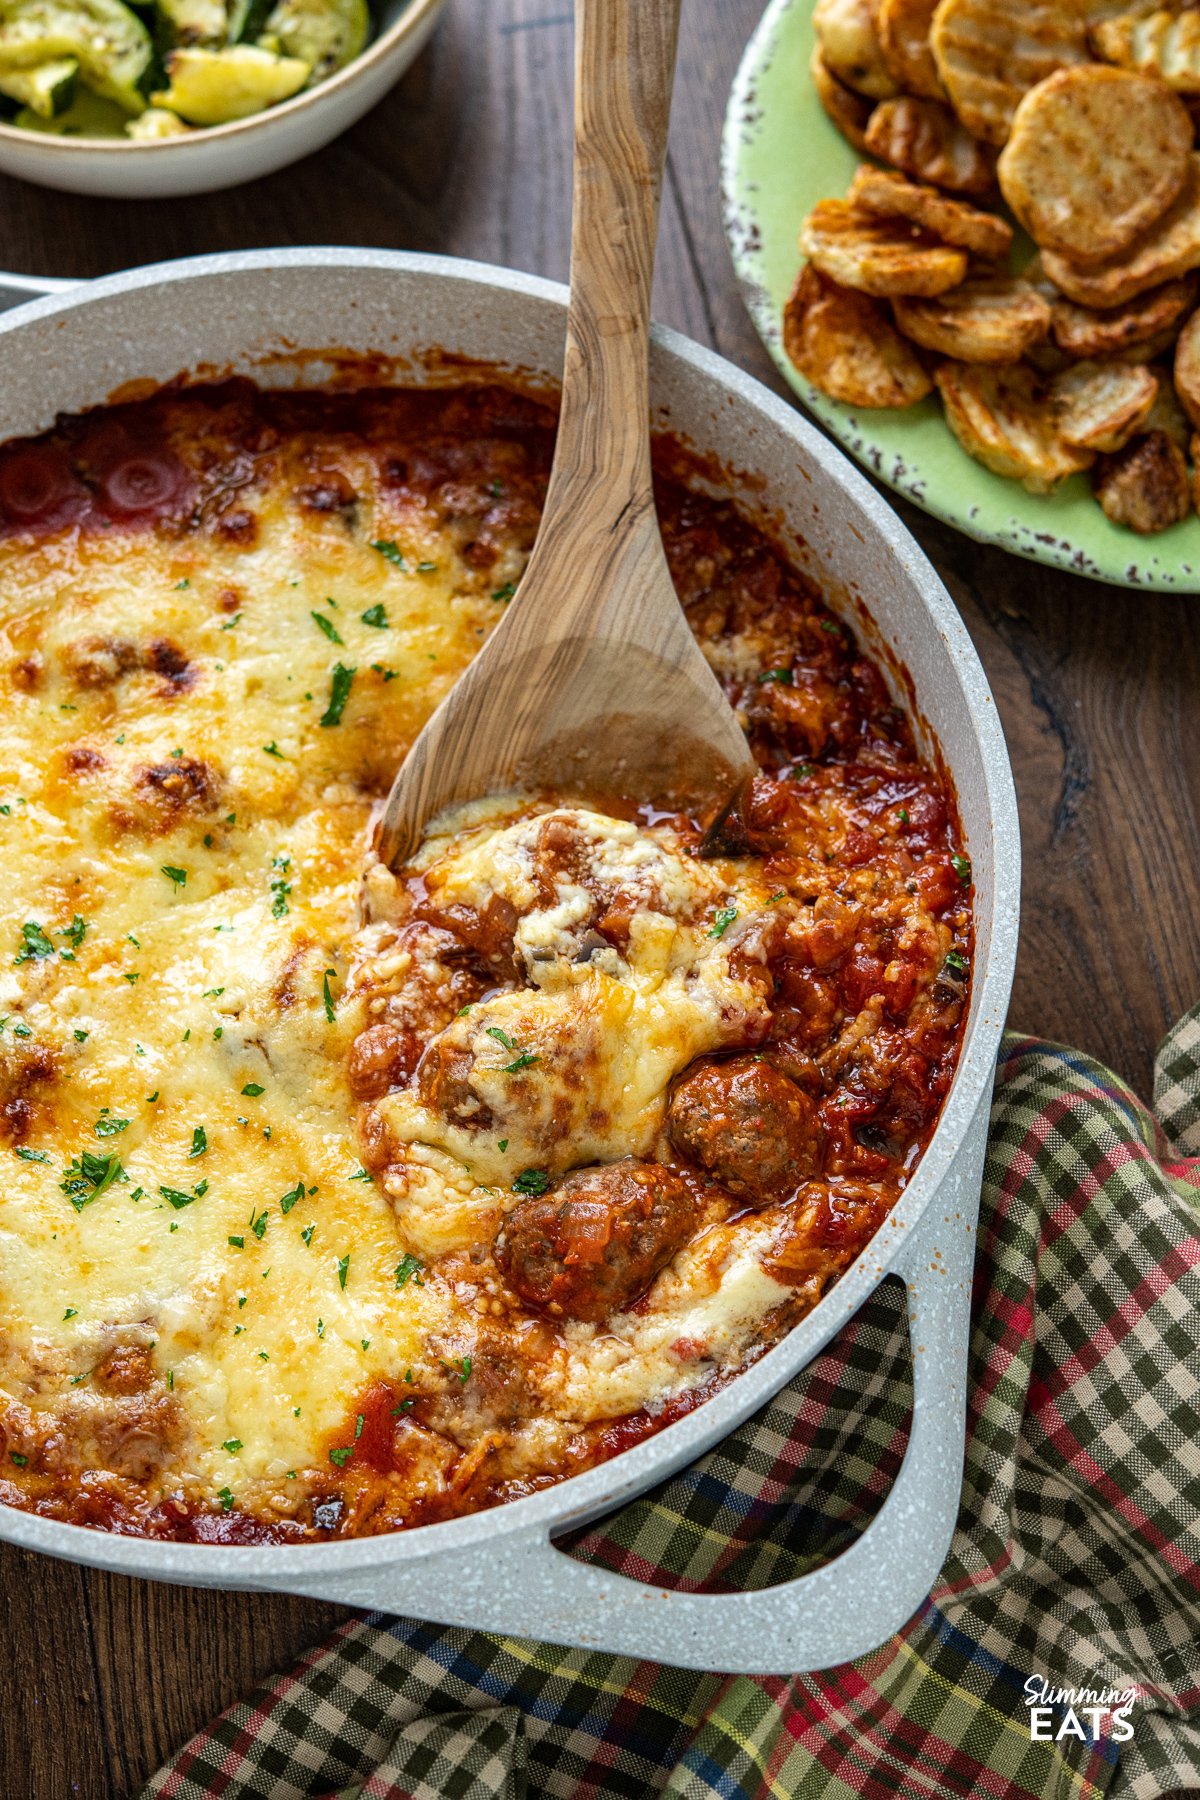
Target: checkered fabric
1076 1560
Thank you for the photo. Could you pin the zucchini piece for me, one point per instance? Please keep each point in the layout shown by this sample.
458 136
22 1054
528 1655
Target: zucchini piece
325 33
47 89
110 43
193 22
211 87
156 122
247 19
88 116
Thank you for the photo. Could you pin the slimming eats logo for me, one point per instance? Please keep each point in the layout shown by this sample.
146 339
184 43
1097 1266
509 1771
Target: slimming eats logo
1088 1714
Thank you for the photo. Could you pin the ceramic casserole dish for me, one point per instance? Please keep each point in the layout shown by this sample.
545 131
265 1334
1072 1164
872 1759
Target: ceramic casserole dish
273 316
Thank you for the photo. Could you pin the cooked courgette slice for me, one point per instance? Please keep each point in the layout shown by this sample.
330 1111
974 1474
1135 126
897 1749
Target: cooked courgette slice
109 42
193 21
327 34
210 87
88 116
156 122
247 19
46 90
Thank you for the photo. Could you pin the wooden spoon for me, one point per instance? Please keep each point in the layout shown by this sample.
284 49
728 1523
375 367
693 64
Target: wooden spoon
592 683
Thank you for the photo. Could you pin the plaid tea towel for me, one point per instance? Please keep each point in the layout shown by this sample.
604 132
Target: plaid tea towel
1075 1564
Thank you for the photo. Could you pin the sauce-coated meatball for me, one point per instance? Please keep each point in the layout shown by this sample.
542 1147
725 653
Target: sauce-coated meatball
596 1243
751 1128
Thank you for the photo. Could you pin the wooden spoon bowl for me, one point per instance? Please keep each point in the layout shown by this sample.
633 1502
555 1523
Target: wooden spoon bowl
592 683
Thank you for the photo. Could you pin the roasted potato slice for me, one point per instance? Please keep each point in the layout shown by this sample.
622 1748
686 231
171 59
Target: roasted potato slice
1005 419
878 256
846 345
1187 369
848 110
1083 332
1168 250
1100 406
1095 158
1161 44
895 197
1168 416
1096 11
1144 486
904 39
989 53
847 31
993 319
924 138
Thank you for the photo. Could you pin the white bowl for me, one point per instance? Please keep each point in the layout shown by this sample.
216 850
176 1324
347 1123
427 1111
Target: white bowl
221 156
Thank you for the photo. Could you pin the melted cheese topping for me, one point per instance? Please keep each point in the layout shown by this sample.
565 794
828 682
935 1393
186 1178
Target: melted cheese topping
268 1112
206 831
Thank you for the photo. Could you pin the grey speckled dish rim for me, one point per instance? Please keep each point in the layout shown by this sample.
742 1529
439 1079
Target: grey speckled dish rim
498 1569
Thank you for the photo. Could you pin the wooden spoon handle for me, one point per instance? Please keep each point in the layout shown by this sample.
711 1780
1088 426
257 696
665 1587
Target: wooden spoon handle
624 69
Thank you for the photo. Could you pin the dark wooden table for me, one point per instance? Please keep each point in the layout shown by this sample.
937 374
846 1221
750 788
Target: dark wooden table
1099 692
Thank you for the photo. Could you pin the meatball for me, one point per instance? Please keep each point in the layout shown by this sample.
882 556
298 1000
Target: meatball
596 1243
381 1058
750 1127
444 1084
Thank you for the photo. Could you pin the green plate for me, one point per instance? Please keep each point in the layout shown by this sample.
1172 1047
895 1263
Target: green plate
780 155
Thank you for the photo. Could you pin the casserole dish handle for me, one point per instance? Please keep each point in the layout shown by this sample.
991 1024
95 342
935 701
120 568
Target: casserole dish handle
527 1587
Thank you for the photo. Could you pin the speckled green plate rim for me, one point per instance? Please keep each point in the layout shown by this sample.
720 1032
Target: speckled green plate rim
779 155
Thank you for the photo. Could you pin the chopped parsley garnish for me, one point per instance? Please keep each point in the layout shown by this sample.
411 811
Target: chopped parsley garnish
956 960
239 1243
37 944
292 1197
503 1145
16 1457
531 1181
504 594
376 616
339 692
81 1037
962 868
71 1313
389 548
109 1127
226 1498
75 932
426 568
213 993
328 627
830 625
328 997
320 1328
306 1236
784 677
135 976
233 1445
22 1031
254 1089
409 1269
724 919
272 749
178 876
343 1270
342 1455
258 1224
464 1369
176 1197
523 1060
199 1142
501 1037
28 1155
280 886
361 1175
89 1176
902 814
